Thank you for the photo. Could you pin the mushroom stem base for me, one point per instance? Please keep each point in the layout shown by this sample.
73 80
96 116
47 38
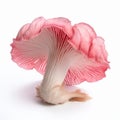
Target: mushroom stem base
61 95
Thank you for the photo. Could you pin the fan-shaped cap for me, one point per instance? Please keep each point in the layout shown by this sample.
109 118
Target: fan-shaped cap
90 67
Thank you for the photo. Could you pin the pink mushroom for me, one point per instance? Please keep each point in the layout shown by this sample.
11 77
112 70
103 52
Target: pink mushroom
64 54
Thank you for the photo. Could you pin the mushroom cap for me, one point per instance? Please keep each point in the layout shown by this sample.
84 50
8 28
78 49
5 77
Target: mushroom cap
91 67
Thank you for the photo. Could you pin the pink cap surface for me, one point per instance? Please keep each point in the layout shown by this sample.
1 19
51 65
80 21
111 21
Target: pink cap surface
82 38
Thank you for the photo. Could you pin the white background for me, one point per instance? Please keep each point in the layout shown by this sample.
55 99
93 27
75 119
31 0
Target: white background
17 86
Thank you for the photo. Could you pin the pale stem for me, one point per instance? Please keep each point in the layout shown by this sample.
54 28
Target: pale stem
56 70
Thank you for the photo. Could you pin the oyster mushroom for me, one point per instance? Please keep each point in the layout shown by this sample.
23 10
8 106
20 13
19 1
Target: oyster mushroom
64 54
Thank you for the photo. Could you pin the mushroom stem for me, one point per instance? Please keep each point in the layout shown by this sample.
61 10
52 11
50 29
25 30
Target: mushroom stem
52 89
57 66
56 70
